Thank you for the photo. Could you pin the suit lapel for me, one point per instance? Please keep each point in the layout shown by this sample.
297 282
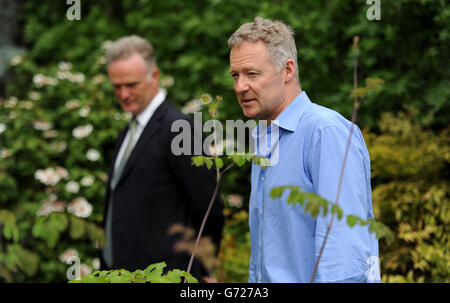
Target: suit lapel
147 134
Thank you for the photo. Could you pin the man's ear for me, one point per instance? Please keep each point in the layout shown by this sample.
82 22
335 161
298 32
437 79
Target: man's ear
153 75
290 70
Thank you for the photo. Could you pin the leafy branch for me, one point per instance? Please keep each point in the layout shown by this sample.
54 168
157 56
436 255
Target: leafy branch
316 205
152 274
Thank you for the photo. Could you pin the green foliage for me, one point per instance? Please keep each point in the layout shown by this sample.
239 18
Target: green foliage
234 255
411 196
8 220
152 274
407 47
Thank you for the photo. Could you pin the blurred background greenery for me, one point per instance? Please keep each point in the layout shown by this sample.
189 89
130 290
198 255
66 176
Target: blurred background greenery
59 119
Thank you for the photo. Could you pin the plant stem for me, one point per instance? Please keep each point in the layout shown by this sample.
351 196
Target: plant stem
347 148
205 218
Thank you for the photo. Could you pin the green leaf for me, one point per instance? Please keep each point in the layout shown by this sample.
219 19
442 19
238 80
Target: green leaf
119 279
208 162
26 260
277 192
77 228
335 209
198 160
154 272
218 162
238 159
352 220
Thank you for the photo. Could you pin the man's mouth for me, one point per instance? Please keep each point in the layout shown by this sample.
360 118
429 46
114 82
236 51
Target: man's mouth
247 101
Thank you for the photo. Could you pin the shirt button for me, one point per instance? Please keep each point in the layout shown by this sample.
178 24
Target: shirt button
262 178
260 243
260 211
259 278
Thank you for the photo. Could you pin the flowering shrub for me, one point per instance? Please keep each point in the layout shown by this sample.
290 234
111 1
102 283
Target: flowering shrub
56 131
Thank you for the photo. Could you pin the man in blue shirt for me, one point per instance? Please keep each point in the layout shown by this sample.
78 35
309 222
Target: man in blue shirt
309 148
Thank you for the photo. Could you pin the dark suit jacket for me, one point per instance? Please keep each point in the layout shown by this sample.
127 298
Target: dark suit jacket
156 190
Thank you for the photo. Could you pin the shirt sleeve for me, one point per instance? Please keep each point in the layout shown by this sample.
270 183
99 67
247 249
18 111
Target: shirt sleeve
347 250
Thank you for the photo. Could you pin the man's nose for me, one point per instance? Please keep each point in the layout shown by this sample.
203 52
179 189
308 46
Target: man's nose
123 92
241 85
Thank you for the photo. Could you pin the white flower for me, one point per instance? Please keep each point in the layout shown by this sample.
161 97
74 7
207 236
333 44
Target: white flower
101 60
16 60
167 81
52 81
72 104
62 172
34 95
96 263
51 206
80 207
92 154
63 75
58 146
4 153
87 181
50 133
192 106
67 254
42 125
2 128
77 77
12 115
106 44
98 79
72 187
39 80
26 105
11 102
82 131
47 176
84 111
64 66
235 200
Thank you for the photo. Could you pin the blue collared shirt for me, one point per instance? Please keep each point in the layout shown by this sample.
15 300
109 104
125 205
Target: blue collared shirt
285 240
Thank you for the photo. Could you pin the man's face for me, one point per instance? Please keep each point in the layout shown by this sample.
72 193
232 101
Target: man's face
134 86
260 89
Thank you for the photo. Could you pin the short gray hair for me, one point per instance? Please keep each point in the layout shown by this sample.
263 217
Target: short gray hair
127 46
277 36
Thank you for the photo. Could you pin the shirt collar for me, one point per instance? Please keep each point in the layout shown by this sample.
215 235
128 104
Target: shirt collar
147 113
289 118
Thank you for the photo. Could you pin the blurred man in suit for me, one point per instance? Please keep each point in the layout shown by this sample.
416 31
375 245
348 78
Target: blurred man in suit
149 188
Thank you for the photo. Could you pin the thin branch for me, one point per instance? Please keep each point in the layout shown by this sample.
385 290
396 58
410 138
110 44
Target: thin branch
197 241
